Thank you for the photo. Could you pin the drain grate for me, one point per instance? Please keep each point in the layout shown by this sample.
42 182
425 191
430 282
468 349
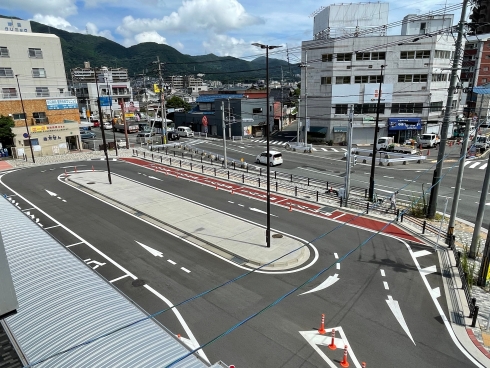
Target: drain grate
277 235
239 260
138 282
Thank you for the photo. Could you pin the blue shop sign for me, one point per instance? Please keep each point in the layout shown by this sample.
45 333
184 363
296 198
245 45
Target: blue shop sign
62 104
404 124
105 101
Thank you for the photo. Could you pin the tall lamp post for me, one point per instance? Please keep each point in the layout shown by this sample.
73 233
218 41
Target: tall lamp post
102 130
109 88
25 119
267 129
373 161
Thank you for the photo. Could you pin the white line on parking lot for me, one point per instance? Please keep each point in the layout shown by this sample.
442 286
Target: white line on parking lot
172 262
71 245
185 269
119 278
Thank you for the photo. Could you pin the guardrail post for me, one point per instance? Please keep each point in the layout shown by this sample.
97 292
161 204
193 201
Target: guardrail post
423 226
243 178
367 209
295 191
475 316
214 171
317 195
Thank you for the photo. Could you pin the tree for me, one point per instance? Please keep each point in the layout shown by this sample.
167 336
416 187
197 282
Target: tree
177 103
6 135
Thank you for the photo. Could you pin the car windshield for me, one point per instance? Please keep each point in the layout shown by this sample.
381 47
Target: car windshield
426 136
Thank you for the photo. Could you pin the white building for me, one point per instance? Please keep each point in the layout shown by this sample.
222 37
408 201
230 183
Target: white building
346 70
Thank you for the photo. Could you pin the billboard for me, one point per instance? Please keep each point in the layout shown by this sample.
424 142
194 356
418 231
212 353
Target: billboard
62 104
371 93
346 93
132 106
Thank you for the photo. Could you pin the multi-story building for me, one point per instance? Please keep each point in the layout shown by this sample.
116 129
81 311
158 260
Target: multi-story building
34 90
412 69
480 17
111 82
179 82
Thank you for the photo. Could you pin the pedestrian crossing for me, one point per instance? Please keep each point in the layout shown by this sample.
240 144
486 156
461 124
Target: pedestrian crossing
479 165
318 149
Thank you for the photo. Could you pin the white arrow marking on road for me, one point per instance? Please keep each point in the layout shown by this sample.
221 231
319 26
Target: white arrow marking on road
52 194
155 252
152 177
257 210
325 284
395 309
314 339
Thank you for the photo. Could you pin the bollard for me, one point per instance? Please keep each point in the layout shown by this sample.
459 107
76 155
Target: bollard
243 178
180 163
174 153
332 344
276 186
161 159
344 363
475 316
401 217
214 171
363 365
144 154
170 161
182 154
340 202
365 193
321 330
260 172
423 227
308 181
275 175
258 179
202 168
473 303
397 214
317 195
234 168
291 210
291 178
152 156
191 166
367 208
295 191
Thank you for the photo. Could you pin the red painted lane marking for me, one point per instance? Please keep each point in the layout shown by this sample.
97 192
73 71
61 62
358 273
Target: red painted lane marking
4 165
363 222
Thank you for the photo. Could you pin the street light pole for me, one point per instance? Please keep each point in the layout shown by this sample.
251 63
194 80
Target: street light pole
25 119
267 130
102 130
110 105
373 161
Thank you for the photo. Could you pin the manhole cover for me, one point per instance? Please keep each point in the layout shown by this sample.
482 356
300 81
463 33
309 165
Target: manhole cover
138 282
277 235
91 182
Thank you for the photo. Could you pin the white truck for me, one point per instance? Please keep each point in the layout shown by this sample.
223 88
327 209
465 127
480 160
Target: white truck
388 144
384 143
482 141
429 140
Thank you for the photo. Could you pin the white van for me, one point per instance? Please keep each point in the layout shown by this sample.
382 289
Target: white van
275 158
185 131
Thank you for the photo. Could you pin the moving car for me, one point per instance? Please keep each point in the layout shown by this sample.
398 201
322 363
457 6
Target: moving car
275 158
107 125
173 136
87 134
185 131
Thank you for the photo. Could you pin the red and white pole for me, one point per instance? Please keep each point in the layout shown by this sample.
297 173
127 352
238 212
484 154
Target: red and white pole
332 344
321 330
344 363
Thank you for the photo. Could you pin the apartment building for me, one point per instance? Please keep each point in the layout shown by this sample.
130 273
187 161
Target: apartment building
34 90
412 69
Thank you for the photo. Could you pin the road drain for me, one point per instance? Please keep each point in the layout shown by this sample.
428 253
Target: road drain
277 235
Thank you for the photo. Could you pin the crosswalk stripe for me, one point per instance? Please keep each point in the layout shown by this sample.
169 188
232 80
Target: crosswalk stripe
467 163
324 149
474 165
344 149
333 149
483 166
313 149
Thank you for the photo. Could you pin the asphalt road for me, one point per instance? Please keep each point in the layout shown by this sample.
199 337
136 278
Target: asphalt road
381 269
411 180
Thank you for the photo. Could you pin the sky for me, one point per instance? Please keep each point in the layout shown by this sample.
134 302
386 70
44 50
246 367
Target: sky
196 27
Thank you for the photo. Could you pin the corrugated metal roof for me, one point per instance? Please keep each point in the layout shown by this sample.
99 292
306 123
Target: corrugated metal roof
212 98
484 90
63 303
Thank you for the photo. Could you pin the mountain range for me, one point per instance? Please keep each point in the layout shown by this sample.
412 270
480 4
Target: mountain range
142 59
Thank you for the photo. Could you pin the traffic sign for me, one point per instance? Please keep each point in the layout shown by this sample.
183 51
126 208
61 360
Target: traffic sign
205 121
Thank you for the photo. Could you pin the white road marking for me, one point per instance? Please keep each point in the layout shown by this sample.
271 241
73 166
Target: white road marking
421 253
154 252
260 211
241 205
395 309
172 262
230 202
185 269
337 266
71 245
436 292
483 166
119 278
97 264
52 194
388 177
28 209
429 270
333 149
382 273
474 165
152 177
50 227
325 284
386 285
324 149
335 218
336 256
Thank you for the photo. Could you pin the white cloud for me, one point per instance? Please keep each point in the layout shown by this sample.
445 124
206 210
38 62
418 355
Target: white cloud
93 30
151 36
98 3
178 45
57 8
223 45
212 15
57 22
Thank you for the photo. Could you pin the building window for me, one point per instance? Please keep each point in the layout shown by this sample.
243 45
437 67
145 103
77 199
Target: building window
423 27
35 53
378 56
9 93
440 77
420 78
326 80
402 78
326 57
425 54
363 56
369 108
19 116
341 109
407 54
40 117
436 106
4 52
38 73
42 92
375 79
6 73
407 108
34 142
344 57
342 80
484 80
485 68
361 79
409 78
441 54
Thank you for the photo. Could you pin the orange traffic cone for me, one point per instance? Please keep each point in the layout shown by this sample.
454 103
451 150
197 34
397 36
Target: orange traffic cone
344 363
332 344
363 365
178 335
232 191
321 330
290 208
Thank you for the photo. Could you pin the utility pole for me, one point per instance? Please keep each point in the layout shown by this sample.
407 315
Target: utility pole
224 131
349 149
123 110
104 144
307 120
431 212
282 100
25 119
229 119
162 101
109 88
298 121
375 148
457 188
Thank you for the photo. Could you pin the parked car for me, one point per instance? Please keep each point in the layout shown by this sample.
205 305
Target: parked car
107 125
87 134
185 131
143 138
173 136
275 158
95 122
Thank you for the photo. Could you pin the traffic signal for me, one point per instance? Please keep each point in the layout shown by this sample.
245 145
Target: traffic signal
354 160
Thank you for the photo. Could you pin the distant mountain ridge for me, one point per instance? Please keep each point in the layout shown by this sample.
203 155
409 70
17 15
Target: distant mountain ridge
138 59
